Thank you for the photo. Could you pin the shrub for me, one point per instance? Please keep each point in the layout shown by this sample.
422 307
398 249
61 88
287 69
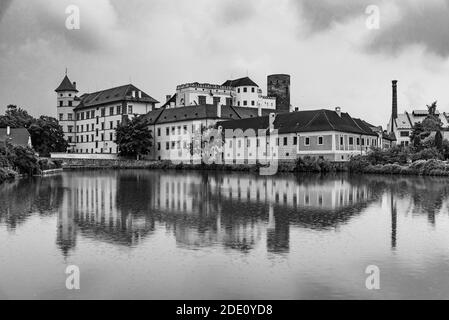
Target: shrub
426 154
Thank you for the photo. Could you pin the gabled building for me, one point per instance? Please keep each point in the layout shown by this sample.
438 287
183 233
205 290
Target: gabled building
327 134
89 121
18 137
401 124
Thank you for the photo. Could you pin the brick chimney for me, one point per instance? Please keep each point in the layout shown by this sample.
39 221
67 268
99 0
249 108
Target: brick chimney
394 111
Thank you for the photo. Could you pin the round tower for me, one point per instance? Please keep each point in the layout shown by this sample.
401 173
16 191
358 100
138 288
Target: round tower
278 86
66 100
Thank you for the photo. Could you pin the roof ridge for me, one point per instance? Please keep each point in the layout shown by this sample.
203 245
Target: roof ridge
328 120
314 117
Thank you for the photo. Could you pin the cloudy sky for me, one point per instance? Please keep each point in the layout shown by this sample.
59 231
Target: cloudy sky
325 45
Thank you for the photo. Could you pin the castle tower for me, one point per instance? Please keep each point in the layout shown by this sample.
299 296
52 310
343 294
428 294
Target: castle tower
278 86
66 103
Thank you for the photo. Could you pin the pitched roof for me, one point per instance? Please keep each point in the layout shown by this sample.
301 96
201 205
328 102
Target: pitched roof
66 85
122 93
304 121
240 83
19 136
199 112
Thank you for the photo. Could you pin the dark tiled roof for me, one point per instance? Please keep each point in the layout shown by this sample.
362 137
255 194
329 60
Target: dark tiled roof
66 85
390 137
172 99
206 111
122 93
240 83
18 136
364 126
304 121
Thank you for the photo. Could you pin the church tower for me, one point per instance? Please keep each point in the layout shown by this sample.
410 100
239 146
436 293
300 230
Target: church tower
66 101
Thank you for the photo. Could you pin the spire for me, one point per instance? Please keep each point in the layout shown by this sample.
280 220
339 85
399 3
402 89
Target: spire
66 85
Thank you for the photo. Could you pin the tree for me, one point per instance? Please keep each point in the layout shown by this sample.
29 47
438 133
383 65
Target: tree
432 121
439 141
134 138
16 118
47 136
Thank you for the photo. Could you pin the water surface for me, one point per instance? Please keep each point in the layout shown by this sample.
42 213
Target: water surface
197 235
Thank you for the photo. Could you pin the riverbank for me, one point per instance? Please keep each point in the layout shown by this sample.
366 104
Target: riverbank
303 165
431 167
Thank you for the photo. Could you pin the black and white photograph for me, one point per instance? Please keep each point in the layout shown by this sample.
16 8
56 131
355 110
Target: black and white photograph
247 151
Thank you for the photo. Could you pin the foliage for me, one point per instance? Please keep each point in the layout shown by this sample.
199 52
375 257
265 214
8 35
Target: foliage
47 136
15 118
310 164
426 154
133 137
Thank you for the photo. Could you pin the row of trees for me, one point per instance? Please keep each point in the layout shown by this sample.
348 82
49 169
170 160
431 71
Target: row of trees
46 134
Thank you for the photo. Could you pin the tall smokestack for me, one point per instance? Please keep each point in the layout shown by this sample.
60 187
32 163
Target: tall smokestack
394 111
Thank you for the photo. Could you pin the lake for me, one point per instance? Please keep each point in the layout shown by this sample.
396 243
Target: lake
137 234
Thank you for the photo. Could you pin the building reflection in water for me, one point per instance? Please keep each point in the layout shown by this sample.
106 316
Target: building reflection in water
235 211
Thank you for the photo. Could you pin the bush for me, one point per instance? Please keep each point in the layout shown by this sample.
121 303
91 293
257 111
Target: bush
309 164
426 154
7 174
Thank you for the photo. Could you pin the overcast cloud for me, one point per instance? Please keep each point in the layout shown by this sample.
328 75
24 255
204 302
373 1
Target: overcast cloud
334 60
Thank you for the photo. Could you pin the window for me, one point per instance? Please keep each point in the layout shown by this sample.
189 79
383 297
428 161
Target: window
159 132
238 90
111 136
363 141
245 89
245 103
216 100
167 146
70 129
96 133
70 117
158 146
92 114
97 121
102 137
405 134
201 99
111 125
118 123
341 141
358 141
69 139
173 129
351 141
61 117
61 103
320 141
307 141
285 141
102 126
253 103
253 90
87 115
91 127
295 141
103 112
185 129
130 109
167 131
111 111
228 101
70 103
119 109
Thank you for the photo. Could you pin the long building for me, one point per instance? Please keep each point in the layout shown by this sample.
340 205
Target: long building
89 121
328 134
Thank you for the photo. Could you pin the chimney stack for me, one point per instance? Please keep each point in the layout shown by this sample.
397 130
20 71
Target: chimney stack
218 110
271 119
394 110
8 131
338 111
74 84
